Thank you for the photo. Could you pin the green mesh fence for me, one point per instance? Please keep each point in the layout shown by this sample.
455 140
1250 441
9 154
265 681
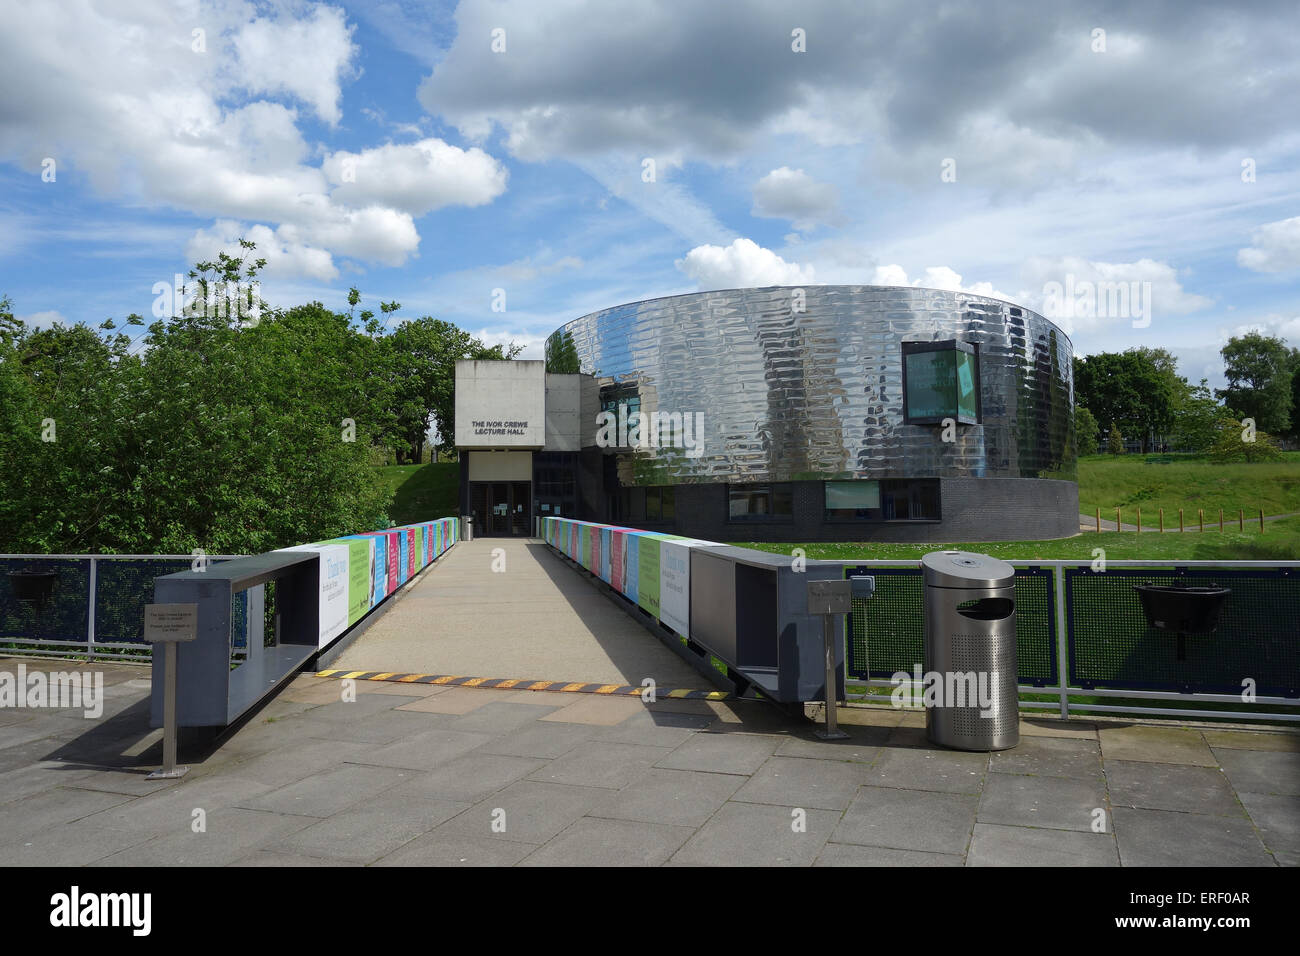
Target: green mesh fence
1255 644
886 631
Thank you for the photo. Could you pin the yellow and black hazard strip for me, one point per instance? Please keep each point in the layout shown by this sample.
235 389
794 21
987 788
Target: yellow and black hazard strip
555 686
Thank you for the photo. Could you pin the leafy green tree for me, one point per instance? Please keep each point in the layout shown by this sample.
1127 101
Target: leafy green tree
1115 441
562 354
425 352
1231 444
1259 369
1139 390
1196 419
1087 430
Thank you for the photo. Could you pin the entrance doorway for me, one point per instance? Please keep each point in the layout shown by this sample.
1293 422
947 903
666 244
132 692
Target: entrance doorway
502 508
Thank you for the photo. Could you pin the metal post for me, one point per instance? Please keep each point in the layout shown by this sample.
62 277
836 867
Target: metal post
832 730
1062 645
169 769
90 610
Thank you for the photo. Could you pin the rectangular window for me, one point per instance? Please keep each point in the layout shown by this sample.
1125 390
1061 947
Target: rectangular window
652 509
893 499
668 497
940 380
760 502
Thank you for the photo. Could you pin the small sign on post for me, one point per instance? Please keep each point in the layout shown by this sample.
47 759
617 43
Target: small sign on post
829 598
169 625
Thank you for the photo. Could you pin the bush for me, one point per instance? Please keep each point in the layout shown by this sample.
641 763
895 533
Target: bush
1231 444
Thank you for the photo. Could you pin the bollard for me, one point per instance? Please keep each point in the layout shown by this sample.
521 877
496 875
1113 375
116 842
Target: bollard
1162 520
1099 521
1180 519
1139 520
1118 526
1261 520
1220 521
1200 515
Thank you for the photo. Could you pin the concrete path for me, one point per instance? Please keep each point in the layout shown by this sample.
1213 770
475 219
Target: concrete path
422 775
537 619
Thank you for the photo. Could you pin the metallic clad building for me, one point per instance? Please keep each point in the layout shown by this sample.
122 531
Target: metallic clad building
798 387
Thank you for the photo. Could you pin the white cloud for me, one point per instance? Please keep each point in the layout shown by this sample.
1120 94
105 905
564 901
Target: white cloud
284 259
305 58
1275 247
743 264
125 103
935 277
1052 280
416 177
792 194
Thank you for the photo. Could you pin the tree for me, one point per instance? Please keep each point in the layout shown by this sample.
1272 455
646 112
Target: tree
1196 420
425 352
1115 441
1259 369
1087 430
1233 442
1138 390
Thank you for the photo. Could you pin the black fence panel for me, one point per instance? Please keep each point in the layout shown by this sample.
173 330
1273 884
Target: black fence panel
53 610
1257 638
886 632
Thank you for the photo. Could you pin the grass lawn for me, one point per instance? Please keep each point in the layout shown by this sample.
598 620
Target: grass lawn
1280 541
1188 482
421 492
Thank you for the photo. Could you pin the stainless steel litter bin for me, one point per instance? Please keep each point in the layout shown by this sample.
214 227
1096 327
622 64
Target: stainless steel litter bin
467 527
972 702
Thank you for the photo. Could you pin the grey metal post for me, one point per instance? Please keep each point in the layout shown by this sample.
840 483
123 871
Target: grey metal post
90 609
169 624
1062 640
827 599
169 769
832 730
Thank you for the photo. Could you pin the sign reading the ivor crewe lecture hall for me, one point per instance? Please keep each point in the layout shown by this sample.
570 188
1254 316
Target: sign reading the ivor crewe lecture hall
487 427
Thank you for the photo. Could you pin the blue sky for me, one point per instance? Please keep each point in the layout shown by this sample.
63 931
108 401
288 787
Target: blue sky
398 147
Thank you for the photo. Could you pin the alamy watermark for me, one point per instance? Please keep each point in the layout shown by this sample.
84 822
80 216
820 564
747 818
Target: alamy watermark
1105 299
944 689
236 300
651 430
56 690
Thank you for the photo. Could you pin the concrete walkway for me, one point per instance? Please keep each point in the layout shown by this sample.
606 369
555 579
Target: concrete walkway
512 608
423 775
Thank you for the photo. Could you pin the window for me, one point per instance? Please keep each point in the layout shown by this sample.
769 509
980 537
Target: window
940 380
760 502
902 499
660 504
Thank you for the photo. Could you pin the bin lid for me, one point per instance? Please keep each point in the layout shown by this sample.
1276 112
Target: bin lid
963 569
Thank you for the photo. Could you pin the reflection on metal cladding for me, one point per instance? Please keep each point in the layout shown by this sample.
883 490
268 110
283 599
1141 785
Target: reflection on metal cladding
807 383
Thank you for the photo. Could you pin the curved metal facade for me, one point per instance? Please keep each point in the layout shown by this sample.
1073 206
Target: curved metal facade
792 393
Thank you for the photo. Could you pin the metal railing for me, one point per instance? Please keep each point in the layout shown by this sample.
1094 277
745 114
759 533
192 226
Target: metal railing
1082 633
90 605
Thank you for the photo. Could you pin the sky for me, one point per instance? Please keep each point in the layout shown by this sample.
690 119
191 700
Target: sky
510 165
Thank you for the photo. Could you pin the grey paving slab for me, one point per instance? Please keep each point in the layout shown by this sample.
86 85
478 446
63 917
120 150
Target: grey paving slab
1157 786
862 746
600 842
325 794
542 739
751 834
231 834
997 845
1060 803
443 849
371 829
657 728
1158 744
1261 771
1051 757
1287 741
50 807
848 854
804 782
909 820
426 750
600 763
676 797
721 753
41 775
915 768
500 718
469 778
525 812
292 762
282 859
1277 820
376 729
1169 838
172 809
69 844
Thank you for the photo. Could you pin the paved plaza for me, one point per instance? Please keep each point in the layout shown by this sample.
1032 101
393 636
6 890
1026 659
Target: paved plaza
412 774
